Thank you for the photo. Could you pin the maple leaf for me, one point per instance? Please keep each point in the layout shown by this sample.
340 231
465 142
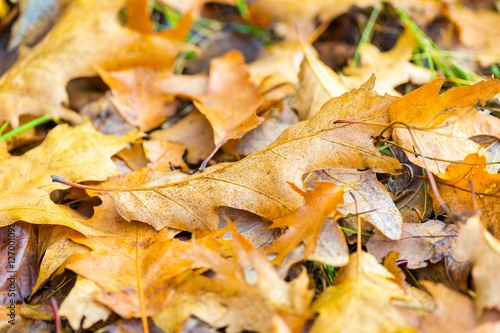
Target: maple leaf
231 102
88 34
476 244
77 154
360 300
305 223
441 125
257 183
458 194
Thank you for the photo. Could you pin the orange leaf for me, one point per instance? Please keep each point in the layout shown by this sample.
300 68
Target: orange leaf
231 101
305 223
457 193
442 124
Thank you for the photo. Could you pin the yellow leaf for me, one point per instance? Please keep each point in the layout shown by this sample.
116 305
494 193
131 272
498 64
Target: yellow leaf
76 154
360 300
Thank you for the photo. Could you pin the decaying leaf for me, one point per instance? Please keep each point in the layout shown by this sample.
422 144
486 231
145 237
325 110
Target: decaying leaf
36 84
457 192
305 223
360 300
257 183
419 243
76 154
441 125
476 244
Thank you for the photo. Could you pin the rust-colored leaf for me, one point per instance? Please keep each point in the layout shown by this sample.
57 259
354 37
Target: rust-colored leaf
305 223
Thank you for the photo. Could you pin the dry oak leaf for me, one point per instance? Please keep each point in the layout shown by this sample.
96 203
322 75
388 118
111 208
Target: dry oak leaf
419 243
76 154
87 34
477 31
360 300
374 203
305 223
458 194
476 244
258 183
246 292
118 264
442 124
231 101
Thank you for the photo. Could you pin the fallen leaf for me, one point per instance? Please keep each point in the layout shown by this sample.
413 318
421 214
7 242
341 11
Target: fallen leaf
145 97
87 34
454 312
257 183
441 125
305 223
457 192
165 155
244 292
477 30
374 204
18 250
194 132
419 243
392 68
76 154
360 300
476 244
231 101
80 306
35 18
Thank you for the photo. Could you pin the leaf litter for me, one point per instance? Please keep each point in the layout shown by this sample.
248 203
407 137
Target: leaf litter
227 212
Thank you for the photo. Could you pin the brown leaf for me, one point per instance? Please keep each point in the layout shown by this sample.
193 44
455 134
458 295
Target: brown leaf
457 192
76 154
18 250
194 132
88 34
231 102
258 182
477 30
442 124
477 245
360 300
374 203
305 223
419 243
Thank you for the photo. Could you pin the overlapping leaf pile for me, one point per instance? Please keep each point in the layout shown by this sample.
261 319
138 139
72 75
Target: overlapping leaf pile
224 247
